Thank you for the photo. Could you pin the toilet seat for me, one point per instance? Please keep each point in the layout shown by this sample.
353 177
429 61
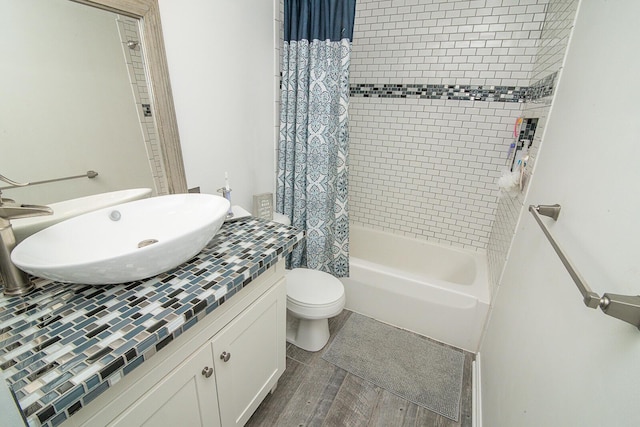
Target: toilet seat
313 294
313 287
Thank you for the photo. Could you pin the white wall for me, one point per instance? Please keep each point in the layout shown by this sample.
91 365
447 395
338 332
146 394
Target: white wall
66 104
222 64
547 360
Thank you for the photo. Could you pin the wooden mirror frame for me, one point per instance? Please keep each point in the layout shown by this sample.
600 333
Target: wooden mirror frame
148 12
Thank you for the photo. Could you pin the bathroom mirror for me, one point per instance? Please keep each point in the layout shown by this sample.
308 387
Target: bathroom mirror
40 141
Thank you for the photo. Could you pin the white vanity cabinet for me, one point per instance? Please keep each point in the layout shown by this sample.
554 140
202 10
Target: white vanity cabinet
184 397
217 374
248 361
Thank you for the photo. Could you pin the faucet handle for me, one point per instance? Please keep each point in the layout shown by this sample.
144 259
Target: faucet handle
11 182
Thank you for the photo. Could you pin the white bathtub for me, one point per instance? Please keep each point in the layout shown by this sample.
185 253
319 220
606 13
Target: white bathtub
435 290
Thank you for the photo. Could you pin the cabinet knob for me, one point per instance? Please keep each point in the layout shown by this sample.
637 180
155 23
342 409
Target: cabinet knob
225 356
207 372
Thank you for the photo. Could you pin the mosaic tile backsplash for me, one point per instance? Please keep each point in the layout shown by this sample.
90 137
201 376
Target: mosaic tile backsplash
63 345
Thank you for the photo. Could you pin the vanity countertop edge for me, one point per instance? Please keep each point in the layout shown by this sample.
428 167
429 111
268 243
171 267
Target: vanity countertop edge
62 345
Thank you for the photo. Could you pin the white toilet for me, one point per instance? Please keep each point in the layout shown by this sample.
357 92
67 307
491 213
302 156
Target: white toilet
312 298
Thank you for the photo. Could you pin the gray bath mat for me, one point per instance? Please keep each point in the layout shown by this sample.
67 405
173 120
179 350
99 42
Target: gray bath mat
423 372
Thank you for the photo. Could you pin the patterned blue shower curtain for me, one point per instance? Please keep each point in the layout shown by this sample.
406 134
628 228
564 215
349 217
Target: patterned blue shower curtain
313 147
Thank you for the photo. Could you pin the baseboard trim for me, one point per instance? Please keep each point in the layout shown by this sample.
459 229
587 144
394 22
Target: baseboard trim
476 393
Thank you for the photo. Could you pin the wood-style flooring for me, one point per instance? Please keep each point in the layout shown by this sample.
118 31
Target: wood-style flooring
313 392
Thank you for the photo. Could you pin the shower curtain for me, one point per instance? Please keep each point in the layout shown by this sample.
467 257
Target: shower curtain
312 173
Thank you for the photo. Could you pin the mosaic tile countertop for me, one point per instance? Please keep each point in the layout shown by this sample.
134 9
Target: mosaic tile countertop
63 345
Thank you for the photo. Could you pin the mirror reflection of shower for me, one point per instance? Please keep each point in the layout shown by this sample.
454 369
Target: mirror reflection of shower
79 100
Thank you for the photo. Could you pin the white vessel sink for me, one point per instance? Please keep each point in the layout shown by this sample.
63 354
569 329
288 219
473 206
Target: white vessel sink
25 227
125 242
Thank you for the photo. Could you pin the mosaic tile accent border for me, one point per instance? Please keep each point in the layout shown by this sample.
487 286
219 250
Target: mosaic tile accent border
543 87
63 345
540 89
428 91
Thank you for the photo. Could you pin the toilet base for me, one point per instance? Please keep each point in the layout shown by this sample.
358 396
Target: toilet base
308 334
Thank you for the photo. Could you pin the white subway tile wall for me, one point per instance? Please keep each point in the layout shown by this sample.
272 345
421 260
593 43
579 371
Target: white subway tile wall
428 168
555 35
480 42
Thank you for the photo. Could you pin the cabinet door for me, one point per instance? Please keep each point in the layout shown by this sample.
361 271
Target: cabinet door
186 397
249 357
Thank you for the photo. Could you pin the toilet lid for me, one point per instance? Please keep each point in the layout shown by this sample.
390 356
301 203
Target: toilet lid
313 287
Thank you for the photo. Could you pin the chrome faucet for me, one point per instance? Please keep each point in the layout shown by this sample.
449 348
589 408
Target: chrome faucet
16 281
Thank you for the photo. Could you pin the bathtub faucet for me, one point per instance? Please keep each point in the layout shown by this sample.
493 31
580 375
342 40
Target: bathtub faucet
16 281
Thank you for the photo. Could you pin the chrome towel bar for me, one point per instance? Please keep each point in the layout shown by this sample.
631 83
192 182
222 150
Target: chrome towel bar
89 174
623 307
